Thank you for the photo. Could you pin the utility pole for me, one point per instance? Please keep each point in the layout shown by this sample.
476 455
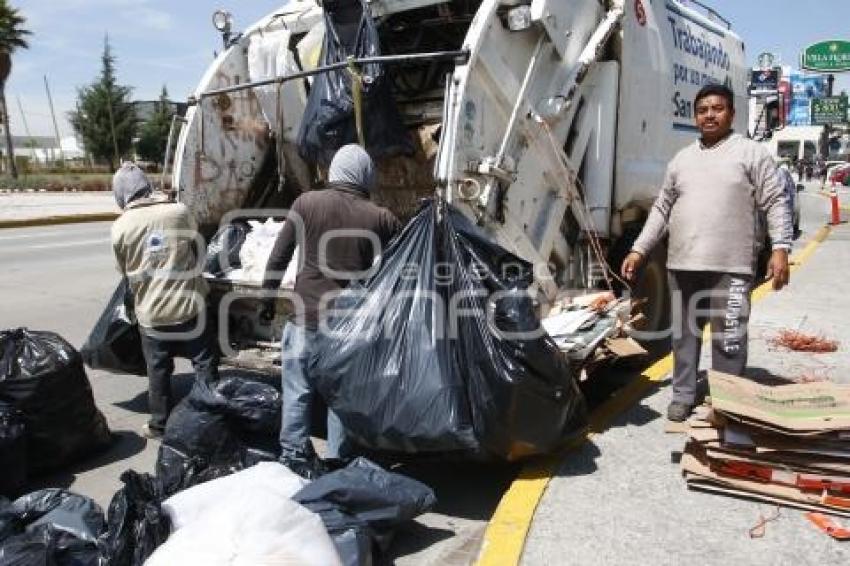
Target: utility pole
55 125
27 130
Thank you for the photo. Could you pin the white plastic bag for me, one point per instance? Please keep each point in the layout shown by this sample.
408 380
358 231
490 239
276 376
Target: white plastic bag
245 519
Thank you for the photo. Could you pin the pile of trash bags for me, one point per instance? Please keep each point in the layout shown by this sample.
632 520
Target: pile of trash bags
264 514
240 252
441 350
48 418
115 342
218 429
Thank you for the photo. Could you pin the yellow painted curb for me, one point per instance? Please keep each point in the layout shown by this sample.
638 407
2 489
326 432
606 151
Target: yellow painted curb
505 536
57 220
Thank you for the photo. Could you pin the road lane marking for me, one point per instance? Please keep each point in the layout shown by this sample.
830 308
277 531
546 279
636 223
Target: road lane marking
507 530
46 235
65 244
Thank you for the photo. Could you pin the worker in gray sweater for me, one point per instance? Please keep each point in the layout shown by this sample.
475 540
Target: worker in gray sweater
712 192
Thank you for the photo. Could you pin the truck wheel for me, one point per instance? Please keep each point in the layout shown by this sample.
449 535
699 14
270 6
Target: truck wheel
652 284
652 281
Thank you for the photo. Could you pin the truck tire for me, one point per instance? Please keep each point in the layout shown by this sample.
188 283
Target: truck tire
651 282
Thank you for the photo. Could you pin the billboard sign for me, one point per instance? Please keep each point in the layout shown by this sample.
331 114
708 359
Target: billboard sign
803 89
827 56
829 110
765 80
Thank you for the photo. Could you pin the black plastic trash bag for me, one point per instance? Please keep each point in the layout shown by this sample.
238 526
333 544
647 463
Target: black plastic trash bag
447 355
522 393
13 451
388 370
219 429
114 343
43 377
136 523
223 249
329 118
362 505
50 527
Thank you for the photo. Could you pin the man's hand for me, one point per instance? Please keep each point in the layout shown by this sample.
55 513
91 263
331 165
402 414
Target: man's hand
631 265
778 270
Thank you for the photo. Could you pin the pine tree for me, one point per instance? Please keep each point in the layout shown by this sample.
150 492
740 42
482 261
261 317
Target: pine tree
153 136
12 37
105 117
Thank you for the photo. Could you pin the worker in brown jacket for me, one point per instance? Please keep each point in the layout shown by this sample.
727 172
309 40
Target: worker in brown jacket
340 233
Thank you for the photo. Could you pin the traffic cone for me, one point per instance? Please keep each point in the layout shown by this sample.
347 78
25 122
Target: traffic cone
836 209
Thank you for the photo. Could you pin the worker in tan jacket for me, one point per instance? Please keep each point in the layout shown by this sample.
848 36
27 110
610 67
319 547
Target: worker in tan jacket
158 248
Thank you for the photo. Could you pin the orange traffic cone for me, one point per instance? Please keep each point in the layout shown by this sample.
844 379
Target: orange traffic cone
836 209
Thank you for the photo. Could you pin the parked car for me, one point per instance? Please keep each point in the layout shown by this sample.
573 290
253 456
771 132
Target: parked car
839 174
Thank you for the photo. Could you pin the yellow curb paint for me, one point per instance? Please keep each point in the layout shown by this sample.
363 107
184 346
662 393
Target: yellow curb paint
57 220
506 533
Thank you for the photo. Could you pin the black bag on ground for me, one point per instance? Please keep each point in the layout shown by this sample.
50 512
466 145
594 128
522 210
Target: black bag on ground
523 396
388 370
115 343
438 360
43 377
218 429
136 523
223 249
362 505
13 451
50 527
329 118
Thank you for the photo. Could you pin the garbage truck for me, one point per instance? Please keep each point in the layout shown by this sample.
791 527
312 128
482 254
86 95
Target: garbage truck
549 123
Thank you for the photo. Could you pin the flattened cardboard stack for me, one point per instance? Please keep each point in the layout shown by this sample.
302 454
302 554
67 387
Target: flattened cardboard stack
786 444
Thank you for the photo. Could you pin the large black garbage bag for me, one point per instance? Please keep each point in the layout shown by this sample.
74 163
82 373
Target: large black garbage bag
523 396
50 527
447 355
362 505
115 343
329 118
136 523
13 451
388 370
43 377
223 249
219 429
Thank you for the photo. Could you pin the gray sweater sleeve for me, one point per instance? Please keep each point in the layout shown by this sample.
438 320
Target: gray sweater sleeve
659 215
772 200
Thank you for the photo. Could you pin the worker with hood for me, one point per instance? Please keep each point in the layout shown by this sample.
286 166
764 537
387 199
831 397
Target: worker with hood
159 251
339 232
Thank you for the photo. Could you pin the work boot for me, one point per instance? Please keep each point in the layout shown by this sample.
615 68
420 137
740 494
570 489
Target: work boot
678 412
152 433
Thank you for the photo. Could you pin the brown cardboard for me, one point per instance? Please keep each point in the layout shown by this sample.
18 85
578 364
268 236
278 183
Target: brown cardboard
815 407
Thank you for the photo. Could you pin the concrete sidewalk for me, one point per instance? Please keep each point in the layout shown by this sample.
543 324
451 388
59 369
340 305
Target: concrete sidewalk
620 498
19 209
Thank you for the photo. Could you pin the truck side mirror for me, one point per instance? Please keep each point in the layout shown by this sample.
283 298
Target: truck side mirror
772 117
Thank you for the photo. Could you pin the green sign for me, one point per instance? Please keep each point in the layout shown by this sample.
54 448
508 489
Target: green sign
827 56
829 110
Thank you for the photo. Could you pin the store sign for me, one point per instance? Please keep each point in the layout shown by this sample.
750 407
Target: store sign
827 57
764 79
829 110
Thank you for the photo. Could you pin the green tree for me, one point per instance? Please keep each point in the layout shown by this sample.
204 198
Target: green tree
105 118
153 136
12 38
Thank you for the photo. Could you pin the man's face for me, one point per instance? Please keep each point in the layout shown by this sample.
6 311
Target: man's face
714 117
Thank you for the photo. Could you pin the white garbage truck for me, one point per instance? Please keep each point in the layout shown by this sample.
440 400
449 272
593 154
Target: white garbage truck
548 122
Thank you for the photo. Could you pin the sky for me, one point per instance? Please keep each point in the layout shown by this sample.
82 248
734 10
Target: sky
168 42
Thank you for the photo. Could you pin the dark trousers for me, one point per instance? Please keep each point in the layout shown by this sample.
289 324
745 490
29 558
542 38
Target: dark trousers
160 346
699 297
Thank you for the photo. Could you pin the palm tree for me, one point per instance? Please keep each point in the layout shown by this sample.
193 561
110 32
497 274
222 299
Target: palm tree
12 37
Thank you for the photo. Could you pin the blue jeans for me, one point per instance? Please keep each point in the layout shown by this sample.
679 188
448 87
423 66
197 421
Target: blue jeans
296 346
